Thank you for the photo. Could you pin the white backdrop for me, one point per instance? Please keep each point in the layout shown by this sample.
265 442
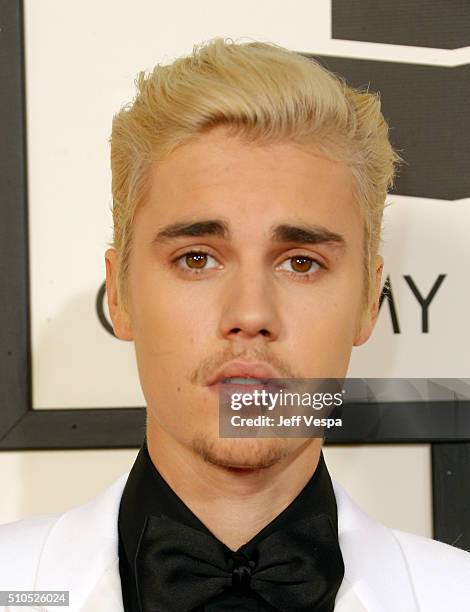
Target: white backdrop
81 61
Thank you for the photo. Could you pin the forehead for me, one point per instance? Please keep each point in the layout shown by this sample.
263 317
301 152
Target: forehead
251 186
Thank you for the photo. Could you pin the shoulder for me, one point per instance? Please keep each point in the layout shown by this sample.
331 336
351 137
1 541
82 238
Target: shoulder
21 543
67 544
439 568
392 569
440 573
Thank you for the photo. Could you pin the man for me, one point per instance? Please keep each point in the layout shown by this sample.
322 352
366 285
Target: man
248 190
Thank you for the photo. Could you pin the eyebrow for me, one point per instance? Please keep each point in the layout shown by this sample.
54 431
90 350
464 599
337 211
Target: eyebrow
304 233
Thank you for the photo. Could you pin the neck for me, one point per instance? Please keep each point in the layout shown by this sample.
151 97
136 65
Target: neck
234 504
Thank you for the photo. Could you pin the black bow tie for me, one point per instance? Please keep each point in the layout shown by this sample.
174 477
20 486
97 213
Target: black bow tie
179 568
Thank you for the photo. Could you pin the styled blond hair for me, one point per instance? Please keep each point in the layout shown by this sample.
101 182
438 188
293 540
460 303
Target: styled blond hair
263 93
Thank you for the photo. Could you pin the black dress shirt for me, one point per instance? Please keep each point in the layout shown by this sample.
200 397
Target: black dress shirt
147 493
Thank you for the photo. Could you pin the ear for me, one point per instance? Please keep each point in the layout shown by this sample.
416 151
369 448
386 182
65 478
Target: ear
369 317
120 319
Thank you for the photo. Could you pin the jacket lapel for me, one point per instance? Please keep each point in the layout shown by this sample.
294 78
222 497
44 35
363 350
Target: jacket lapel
375 566
81 556
347 600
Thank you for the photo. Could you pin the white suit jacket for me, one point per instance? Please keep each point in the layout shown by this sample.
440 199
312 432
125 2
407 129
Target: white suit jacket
386 570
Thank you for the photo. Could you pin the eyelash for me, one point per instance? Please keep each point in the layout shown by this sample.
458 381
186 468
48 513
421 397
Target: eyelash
307 276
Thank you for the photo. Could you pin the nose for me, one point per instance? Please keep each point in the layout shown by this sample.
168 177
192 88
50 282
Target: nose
250 305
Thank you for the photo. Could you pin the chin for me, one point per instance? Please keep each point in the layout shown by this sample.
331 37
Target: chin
241 453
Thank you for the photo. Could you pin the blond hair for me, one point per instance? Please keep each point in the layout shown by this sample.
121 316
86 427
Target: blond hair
266 94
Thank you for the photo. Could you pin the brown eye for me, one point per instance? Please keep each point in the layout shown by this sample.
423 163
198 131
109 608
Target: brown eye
301 267
301 264
198 259
195 262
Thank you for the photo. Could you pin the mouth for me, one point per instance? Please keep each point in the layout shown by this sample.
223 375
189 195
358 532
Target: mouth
244 384
239 380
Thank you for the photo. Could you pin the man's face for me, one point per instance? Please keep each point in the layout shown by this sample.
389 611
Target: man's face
246 296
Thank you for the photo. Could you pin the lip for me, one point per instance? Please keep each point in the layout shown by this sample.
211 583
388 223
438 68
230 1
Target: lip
240 369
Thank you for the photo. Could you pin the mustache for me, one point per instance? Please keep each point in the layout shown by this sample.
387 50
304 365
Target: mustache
211 364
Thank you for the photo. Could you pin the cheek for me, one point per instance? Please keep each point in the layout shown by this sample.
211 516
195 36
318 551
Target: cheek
327 318
169 330
322 343
158 312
